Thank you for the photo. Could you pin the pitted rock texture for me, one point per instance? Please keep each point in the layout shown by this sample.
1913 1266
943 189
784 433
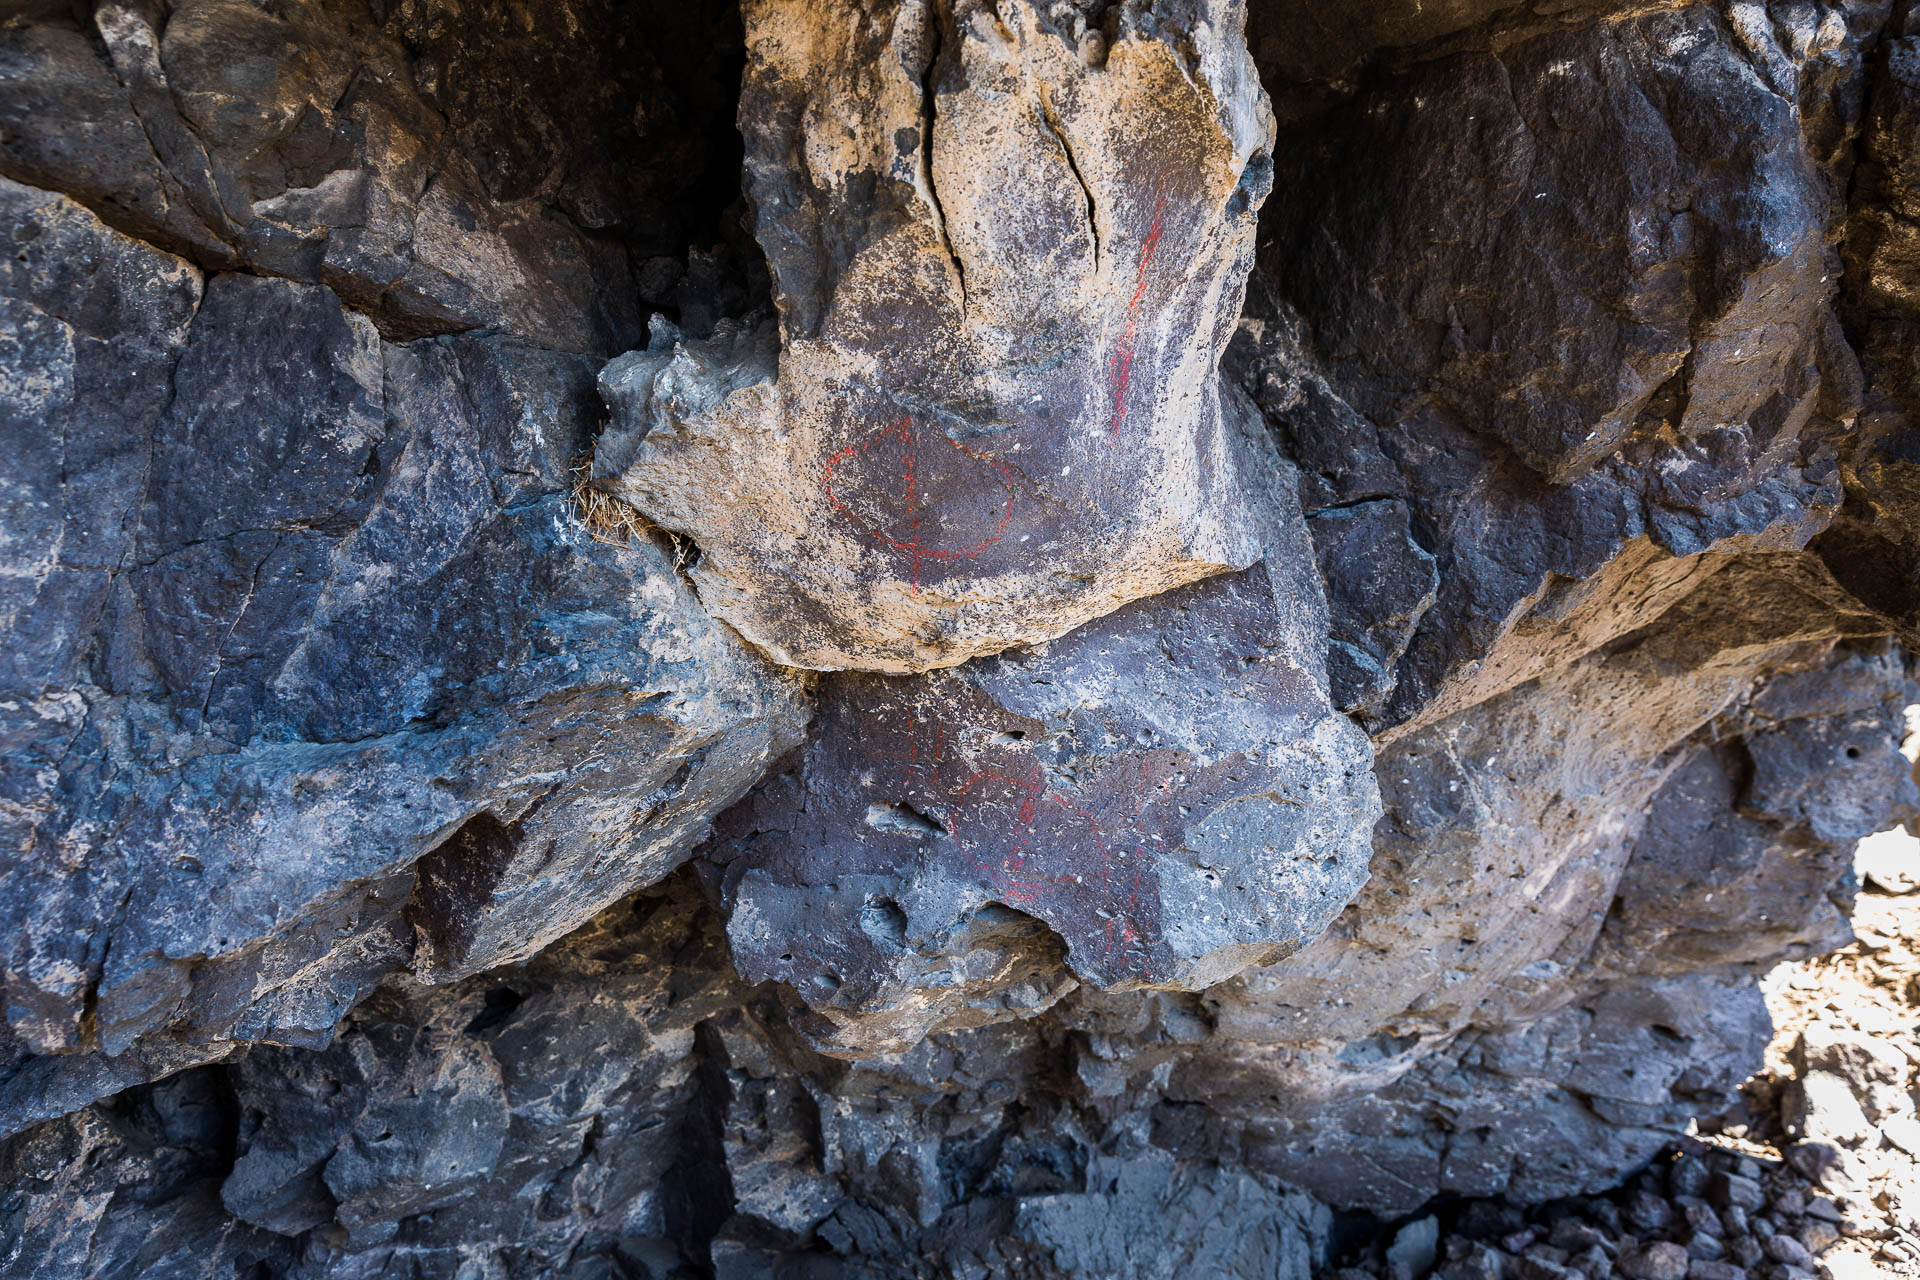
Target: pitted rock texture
1217 816
1007 246
1356 629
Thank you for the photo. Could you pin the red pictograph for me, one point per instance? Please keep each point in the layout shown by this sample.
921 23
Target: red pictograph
886 485
1122 371
1081 857
1022 885
1049 861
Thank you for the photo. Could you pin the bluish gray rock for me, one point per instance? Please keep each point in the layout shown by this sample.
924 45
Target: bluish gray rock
349 761
321 673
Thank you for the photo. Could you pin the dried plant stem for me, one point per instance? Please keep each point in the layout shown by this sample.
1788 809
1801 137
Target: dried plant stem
610 520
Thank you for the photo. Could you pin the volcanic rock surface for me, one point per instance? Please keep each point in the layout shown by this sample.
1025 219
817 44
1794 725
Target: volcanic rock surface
935 638
1007 246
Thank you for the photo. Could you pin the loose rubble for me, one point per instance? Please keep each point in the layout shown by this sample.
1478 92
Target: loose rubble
1815 1173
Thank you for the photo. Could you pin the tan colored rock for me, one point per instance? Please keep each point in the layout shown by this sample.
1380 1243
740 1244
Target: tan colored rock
1007 251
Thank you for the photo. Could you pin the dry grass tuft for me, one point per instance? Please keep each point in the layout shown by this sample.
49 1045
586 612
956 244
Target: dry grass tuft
609 520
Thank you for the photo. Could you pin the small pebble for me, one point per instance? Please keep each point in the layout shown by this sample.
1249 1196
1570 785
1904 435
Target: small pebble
1688 1177
1661 1260
1782 1247
1647 1213
1823 1208
1735 1190
1606 1215
1813 1160
1593 1263
1706 1270
1574 1236
1705 1247
1734 1219
1524 1268
1818 1236
1701 1217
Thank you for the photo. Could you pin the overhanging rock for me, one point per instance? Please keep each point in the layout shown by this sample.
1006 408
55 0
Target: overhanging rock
1007 258
1158 800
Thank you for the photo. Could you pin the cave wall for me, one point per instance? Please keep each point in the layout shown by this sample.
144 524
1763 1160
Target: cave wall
950 639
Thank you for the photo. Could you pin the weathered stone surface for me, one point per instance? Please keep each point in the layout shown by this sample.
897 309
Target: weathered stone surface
1504 893
294 605
1007 247
1564 445
1587 387
442 167
1873 547
620 1102
1217 814
1382 582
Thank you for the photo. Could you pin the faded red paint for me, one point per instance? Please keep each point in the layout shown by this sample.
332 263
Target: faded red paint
1122 372
907 434
1025 878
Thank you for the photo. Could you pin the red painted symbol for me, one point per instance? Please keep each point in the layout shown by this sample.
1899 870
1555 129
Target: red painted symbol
1122 372
1040 869
888 483
1021 882
1080 860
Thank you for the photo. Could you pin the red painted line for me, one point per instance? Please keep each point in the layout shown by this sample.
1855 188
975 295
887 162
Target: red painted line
1021 877
912 548
1122 376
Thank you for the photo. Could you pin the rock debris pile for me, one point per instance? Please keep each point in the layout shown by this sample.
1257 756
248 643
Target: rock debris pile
946 638
1814 1171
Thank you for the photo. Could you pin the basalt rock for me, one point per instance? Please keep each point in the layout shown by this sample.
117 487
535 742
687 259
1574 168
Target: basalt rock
962 846
316 671
1346 638
393 153
1007 246
1589 390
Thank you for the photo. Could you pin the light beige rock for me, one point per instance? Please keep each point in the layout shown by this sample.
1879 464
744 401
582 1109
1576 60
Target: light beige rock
1007 252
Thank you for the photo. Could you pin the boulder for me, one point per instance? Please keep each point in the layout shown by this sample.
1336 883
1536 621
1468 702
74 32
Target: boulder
1157 800
323 675
1007 248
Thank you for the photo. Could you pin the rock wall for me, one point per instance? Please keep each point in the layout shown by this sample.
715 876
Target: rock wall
930 638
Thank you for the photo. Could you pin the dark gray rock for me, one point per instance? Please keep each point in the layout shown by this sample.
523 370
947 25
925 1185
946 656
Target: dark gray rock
1705 1270
1706 1245
1415 1246
440 166
1731 1191
948 842
1581 392
343 762
1660 1260
333 667
1380 583
1153 1219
